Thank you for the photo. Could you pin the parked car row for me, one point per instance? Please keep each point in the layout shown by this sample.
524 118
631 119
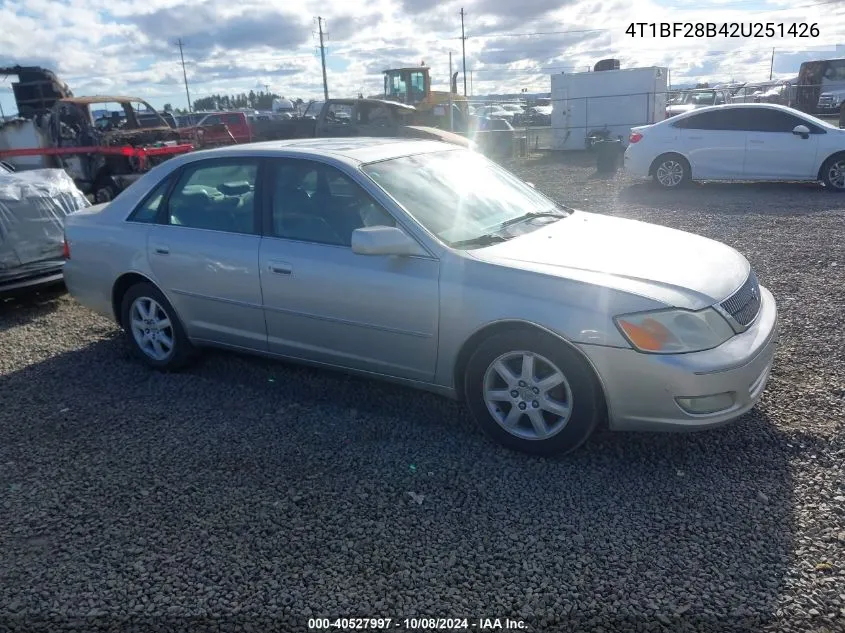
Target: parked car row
516 114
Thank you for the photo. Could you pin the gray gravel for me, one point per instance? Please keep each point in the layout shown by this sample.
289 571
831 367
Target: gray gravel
252 495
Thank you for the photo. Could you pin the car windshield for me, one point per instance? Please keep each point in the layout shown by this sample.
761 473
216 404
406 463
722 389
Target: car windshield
458 195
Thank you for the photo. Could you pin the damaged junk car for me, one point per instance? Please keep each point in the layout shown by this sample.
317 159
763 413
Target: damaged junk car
103 142
33 207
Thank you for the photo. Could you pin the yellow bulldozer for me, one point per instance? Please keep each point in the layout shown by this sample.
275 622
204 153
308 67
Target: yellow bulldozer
412 86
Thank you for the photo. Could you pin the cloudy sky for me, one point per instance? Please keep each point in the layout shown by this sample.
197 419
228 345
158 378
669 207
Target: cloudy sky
129 46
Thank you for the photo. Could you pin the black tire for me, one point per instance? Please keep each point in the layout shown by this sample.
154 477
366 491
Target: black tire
835 163
181 353
584 396
674 165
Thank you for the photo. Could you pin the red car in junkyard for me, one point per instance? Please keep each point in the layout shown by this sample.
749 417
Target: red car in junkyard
219 128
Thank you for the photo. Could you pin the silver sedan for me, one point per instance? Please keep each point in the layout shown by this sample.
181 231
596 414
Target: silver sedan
426 264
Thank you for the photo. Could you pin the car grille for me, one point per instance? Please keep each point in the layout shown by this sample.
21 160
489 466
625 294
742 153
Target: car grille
744 304
827 102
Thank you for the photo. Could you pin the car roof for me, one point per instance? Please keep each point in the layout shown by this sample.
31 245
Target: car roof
355 150
736 106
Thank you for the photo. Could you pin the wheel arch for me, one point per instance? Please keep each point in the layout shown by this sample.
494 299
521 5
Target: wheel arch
121 287
654 163
506 325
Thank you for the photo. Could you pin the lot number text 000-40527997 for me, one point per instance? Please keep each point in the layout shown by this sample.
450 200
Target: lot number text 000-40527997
725 29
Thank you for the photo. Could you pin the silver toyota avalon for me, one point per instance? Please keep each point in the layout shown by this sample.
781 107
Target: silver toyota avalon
426 264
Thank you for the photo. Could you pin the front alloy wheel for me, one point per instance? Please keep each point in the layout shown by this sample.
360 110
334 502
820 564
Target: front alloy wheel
527 395
531 392
833 174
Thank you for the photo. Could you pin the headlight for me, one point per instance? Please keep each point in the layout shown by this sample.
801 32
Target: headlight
674 331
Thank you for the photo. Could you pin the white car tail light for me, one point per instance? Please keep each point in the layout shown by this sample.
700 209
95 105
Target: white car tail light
635 137
66 249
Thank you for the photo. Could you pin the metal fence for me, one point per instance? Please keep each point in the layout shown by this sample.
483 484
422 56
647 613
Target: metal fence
613 115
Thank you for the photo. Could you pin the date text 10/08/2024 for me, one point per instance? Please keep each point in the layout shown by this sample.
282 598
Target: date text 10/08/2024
417 624
724 29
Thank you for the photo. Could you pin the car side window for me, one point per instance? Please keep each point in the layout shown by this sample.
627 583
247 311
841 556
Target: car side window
313 202
212 120
766 120
216 195
147 211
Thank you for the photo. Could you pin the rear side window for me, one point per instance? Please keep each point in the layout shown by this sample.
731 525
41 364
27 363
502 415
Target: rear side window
216 195
713 120
148 210
232 119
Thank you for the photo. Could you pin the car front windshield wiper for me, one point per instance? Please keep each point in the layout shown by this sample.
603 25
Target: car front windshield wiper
487 239
534 214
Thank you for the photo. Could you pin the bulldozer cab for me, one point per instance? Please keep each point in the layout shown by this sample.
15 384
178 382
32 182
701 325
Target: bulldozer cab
407 85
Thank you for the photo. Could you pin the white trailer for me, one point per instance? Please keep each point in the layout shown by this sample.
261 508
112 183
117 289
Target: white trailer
609 101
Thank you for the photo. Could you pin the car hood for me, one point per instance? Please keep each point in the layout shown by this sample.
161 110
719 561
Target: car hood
673 267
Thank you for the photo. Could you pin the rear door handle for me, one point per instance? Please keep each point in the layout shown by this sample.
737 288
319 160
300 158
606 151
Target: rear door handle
755 142
161 249
280 268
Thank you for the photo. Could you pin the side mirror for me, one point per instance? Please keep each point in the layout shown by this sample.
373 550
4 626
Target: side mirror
801 130
384 240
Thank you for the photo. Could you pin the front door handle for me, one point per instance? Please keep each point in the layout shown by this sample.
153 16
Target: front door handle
280 268
755 142
161 249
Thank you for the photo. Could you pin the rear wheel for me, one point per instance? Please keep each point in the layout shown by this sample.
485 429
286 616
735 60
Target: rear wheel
153 329
671 171
531 393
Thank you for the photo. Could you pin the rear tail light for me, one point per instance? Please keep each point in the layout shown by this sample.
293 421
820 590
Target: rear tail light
635 137
66 249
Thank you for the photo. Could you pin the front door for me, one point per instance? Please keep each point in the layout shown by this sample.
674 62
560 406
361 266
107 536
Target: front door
327 304
773 152
204 254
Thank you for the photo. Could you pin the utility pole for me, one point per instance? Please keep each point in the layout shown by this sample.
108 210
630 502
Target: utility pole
323 57
185 75
451 111
470 83
464 50
772 67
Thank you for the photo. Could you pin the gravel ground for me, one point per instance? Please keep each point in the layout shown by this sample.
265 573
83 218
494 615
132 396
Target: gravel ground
252 495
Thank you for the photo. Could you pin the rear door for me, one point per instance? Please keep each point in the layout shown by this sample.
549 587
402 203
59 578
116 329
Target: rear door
713 144
203 251
773 151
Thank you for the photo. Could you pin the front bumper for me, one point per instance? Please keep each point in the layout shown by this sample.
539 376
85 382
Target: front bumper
641 389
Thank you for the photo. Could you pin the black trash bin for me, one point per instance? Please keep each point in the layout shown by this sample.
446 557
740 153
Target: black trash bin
608 154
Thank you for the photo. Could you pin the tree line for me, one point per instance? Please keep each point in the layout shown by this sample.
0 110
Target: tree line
254 100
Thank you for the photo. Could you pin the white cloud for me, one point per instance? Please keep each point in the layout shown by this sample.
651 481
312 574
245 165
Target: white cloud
127 46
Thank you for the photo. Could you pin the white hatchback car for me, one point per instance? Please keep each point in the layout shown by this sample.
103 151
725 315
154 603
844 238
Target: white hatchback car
756 142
